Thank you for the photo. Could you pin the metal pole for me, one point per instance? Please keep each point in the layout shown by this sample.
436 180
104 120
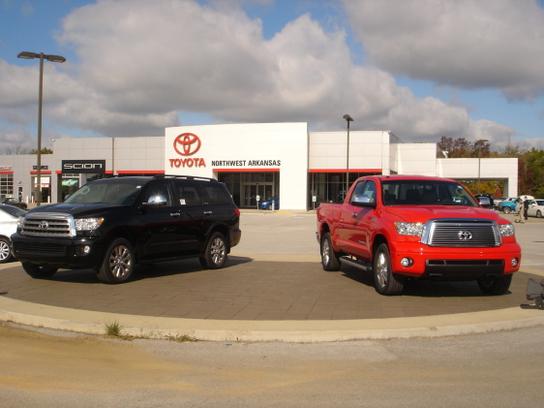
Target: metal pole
112 156
479 188
347 163
40 101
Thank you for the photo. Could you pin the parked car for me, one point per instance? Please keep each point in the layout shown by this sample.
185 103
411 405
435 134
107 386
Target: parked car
12 201
271 202
112 224
508 205
9 216
536 208
410 227
484 200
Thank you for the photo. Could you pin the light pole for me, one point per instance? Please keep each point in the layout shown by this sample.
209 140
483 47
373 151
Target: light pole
51 58
348 119
479 159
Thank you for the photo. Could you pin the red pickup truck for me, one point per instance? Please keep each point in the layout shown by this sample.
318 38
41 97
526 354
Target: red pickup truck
406 227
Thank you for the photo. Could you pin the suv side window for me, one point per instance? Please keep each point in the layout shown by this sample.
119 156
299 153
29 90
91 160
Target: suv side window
187 193
215 194
157 193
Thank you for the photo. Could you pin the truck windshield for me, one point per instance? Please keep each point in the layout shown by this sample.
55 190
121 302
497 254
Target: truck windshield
122 192
425 192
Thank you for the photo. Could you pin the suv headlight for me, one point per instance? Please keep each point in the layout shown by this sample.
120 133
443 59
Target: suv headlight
506 230
88 224
409 228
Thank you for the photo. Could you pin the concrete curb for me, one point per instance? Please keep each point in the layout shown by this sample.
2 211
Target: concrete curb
90 322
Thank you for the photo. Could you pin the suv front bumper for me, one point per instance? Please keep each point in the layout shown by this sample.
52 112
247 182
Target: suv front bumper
77 252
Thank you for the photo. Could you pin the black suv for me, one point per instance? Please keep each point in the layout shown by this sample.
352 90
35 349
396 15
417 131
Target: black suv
111 224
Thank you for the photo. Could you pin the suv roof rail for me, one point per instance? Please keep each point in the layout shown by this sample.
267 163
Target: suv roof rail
162 176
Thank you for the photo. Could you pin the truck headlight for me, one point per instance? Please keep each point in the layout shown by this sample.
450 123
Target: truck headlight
88 224
506 230
409 228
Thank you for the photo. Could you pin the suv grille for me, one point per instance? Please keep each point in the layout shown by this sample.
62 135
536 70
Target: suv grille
48 225
461 233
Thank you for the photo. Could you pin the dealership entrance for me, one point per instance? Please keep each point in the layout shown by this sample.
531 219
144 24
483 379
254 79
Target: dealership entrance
247 187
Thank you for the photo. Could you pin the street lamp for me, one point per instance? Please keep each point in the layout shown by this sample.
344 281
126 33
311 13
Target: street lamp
51 58
481 141
348 119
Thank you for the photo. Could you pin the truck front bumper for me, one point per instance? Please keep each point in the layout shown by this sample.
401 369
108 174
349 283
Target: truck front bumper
422 261
77 252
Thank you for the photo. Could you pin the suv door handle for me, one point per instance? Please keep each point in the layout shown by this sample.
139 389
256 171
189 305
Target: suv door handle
207 212
175 214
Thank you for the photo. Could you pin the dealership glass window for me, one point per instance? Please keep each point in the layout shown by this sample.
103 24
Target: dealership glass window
69 184
45 189
6 185
329 187
245 187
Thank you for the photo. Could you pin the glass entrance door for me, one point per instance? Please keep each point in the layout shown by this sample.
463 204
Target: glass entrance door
251 191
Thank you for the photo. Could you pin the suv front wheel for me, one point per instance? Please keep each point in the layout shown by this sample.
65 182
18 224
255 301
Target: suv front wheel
215 253
118 263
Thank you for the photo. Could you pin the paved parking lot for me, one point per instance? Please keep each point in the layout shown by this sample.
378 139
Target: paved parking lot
274 274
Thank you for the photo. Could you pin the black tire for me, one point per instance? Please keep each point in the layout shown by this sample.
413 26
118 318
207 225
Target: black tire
215 253
118 264
329 259
506 210
385 281
495 285
538 214
5 250
39 271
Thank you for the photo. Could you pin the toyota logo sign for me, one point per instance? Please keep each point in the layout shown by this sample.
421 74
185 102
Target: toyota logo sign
464 235
187 144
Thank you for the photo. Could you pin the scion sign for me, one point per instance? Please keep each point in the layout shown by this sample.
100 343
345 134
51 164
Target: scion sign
83 166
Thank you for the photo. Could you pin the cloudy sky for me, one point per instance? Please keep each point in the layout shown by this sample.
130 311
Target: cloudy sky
421 68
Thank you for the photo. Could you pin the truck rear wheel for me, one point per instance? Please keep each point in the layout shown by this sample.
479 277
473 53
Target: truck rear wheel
39 271
495 285
385 282
329 258
118 263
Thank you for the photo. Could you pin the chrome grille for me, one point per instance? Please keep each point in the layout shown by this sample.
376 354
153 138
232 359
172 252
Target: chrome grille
462 233
48 225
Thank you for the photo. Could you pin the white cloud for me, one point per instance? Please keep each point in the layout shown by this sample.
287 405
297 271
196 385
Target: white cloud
141 62
467 43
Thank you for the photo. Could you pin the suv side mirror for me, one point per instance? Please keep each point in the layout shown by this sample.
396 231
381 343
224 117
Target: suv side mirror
155 201
363 201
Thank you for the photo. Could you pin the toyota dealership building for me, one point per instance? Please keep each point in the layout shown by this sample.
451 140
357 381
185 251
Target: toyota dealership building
256 161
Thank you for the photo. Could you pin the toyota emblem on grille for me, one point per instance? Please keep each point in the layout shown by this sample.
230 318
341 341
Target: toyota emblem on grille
464 235
43 225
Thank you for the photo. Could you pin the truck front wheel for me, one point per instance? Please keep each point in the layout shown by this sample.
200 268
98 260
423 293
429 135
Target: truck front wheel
385 282
39 271
118 263
329 258
495 285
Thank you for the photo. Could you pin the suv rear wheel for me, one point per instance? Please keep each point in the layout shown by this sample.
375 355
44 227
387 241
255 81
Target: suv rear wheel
215 253
118 263
39 271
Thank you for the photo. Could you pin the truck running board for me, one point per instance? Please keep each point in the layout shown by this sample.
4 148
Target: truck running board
356 263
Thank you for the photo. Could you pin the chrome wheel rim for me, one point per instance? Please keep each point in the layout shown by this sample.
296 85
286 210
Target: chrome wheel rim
5 251
325 252
218 251
120 261
382 270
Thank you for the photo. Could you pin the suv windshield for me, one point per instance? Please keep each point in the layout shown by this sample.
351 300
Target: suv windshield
425 192
114 191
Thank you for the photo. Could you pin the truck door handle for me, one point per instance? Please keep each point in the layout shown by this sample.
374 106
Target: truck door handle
208 212
355 215
175 214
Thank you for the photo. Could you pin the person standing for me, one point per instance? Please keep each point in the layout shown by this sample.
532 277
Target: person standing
525 208
519 211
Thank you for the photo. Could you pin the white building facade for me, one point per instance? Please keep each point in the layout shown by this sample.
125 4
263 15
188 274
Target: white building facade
256 161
